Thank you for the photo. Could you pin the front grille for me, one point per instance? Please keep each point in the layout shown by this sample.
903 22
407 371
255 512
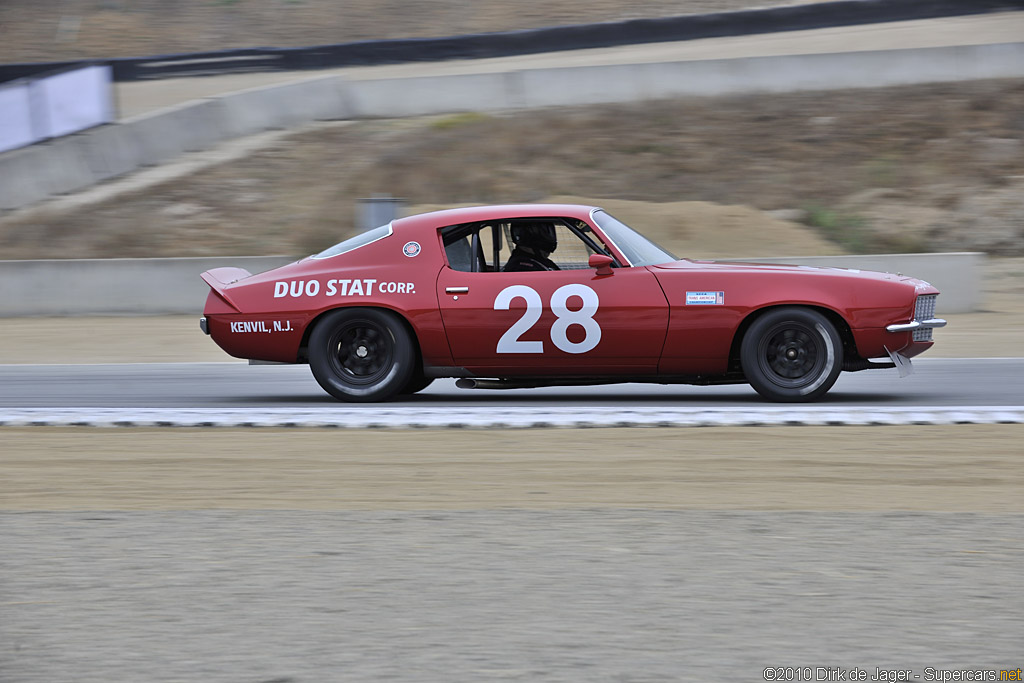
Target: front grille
925 310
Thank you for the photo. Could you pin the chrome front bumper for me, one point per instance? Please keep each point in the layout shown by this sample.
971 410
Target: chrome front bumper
917 325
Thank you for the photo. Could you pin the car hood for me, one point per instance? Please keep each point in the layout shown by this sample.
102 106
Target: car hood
746 267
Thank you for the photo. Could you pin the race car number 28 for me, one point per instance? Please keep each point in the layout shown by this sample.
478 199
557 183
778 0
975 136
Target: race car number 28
510 342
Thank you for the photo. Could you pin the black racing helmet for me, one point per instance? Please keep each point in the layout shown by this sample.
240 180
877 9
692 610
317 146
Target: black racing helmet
535 235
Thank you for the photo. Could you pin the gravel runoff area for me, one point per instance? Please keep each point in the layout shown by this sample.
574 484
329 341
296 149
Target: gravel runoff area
595 555
586 595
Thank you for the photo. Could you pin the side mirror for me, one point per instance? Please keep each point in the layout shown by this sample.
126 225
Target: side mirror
602 263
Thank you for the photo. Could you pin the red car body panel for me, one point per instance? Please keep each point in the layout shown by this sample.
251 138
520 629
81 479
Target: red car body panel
865 301
648 318
633 318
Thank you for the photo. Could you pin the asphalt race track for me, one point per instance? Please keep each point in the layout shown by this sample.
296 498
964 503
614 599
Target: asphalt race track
936 382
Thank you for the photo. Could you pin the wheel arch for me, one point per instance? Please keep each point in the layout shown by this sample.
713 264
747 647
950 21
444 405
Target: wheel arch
842 327
303 352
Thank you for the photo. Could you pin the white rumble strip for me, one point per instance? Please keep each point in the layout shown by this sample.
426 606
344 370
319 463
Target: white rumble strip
507 417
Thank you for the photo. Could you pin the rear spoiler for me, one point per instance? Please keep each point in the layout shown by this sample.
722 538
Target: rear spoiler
220 278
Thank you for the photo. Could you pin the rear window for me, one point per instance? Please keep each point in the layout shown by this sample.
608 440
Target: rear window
356 242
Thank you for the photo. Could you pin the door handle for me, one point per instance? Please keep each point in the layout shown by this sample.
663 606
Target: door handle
456 290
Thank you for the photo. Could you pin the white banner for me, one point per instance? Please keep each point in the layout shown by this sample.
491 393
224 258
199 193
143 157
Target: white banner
35 109
72 101
15 116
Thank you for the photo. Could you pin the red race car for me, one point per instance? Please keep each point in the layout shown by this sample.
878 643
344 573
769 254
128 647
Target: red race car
541 295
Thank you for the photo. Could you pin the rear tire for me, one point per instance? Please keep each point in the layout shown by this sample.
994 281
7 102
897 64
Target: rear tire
792 354
361 354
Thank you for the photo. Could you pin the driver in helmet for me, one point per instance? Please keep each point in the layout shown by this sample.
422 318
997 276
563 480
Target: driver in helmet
534 240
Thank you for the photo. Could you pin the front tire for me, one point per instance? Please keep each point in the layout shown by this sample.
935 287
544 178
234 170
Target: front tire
361 354
792 354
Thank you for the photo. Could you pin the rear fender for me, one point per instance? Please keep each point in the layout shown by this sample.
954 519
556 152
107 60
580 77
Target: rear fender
303 355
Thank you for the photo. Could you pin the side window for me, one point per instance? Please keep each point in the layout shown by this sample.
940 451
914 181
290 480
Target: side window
487 234
548 244
470 247
521 244
572 253
460 253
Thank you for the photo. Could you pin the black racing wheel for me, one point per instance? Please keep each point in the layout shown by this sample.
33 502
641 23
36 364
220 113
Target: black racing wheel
361 354
792 354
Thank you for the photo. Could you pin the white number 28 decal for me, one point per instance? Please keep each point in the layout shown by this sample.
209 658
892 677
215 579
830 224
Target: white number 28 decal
566 318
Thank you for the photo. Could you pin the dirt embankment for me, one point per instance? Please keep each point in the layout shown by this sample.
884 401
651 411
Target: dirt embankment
45 30
926 168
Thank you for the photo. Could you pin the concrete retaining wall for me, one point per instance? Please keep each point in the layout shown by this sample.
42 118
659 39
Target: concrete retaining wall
172 285
114 286
788 73
72 163
32 174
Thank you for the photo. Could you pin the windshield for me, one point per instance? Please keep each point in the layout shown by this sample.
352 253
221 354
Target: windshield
356 242
639 250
